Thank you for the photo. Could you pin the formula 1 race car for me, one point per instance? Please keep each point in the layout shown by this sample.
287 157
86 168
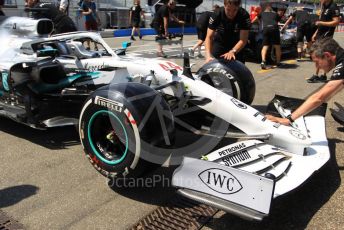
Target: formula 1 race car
45 80
131 113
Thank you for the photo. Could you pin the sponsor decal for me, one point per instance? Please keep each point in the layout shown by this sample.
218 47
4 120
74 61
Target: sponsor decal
167 66
297 134
220 181
232 149
110 104
239 104
95 67
221 71
236 158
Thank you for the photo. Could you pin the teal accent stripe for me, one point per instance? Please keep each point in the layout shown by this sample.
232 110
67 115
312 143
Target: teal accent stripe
91 142
5 81
45 88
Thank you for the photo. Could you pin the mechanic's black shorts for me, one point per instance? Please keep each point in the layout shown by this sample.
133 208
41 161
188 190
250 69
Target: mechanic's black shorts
304 31
201 33
159 29
135 23
271 36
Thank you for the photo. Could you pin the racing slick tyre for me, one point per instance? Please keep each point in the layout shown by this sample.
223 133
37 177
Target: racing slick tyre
119 128
231 77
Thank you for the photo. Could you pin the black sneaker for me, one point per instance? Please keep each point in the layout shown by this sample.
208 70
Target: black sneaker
314 79
132 38
263 65
323 78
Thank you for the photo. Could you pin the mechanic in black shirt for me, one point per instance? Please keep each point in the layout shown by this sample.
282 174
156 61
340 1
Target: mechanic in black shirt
160 23
202 27
135 18
303 28
227 32
62 23
329 19
271 34
327 55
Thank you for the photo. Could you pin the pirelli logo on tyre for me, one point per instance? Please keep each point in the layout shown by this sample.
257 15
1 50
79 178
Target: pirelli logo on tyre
110 104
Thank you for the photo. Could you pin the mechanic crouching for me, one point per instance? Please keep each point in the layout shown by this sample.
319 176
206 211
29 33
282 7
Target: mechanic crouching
227 32
62 23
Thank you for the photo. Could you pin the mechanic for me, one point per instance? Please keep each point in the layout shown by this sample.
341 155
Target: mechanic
135 18
202 27
160 23
329 19
62 23
271 34
303 28
227 32
327 55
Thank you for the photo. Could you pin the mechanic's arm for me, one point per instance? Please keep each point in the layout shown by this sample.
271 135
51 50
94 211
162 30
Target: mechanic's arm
287 23
209 45
240 44
333 23
314 35
174 18
321 96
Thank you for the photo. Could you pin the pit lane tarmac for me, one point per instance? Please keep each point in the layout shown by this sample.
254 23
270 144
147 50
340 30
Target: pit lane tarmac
46 181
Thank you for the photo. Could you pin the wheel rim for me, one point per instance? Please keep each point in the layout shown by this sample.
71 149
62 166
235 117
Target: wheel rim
108 137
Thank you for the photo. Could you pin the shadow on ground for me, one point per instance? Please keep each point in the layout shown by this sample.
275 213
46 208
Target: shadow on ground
13 195
52 138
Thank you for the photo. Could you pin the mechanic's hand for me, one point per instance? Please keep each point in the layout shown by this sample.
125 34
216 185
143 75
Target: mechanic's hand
313 38
283 121
318 23
229 55
209 59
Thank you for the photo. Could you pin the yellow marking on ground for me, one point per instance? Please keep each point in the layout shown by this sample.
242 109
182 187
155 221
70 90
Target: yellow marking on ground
290 61
264 70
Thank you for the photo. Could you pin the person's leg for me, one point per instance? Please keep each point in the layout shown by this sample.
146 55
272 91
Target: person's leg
278 53
160 32
266 45
299 39
138 32
132 34
263 53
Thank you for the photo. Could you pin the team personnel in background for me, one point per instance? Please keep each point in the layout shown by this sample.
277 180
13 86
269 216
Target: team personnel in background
329 19
1 5
160 23
202 27
89 10
327 55
302 19
62 5
271 34
135 18
62 23
227 32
